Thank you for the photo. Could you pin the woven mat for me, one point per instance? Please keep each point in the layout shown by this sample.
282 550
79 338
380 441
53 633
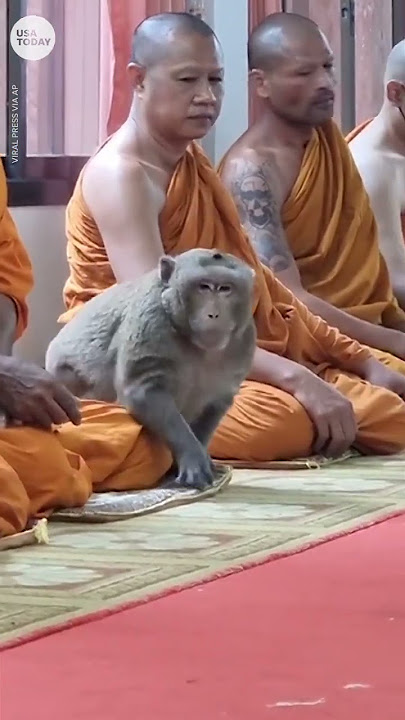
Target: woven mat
315 462
85 568
114 506
110 506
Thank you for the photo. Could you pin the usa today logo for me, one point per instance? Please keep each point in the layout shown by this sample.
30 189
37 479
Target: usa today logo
32 37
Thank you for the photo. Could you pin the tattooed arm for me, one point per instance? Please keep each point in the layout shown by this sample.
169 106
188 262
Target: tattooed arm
259 211
252 187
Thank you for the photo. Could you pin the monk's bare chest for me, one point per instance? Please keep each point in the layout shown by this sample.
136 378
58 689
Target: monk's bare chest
393 173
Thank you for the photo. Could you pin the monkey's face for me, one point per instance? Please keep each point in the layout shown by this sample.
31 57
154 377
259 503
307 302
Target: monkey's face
216 308
208 295
182 93
300 87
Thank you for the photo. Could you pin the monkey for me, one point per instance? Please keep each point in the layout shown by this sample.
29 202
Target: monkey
173 348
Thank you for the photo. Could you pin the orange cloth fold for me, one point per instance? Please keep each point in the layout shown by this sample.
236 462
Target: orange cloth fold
357 130
16 279
333 235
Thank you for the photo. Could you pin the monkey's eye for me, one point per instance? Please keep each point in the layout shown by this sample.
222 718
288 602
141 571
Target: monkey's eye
204 287
225 289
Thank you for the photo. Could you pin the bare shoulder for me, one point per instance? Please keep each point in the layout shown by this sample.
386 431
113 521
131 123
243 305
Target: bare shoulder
112 179
125 200
372 155
379 169
244 159
253 170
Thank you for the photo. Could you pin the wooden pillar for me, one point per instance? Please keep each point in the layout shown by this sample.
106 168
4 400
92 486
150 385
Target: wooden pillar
258 10
373 36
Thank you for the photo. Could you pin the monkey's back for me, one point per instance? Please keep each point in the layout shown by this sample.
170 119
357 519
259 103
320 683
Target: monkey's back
86 348
124 336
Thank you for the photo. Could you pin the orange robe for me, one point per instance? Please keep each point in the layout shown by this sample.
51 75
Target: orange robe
333 235
16 280
39 470
353 134
264 423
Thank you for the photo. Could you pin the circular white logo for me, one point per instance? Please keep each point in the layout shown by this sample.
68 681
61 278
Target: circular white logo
32 37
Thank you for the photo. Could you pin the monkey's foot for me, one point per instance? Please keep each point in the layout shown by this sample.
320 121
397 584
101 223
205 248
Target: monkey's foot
171 479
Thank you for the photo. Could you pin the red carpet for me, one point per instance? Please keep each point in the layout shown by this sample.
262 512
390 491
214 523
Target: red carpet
326 627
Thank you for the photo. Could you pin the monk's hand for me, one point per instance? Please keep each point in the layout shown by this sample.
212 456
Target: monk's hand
378 374
331 413
30 396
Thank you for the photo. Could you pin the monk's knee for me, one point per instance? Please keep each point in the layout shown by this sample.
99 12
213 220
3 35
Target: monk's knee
382 429
143 467
262 427
14 502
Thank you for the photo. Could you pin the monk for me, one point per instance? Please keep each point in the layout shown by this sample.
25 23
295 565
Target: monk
300 196
378 148
150 189
61 449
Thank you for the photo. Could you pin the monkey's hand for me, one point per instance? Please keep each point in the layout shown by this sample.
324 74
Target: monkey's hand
195 469
154 407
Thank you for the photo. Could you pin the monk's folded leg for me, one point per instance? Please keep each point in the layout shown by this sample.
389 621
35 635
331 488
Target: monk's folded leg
380 413
390 361
120 454
14 501
263 424
45 476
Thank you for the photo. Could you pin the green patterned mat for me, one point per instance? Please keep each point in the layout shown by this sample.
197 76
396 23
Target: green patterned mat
90 567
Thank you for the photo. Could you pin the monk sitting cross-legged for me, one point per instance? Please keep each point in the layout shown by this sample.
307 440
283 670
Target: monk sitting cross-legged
150 188
300 196
378 149
100 448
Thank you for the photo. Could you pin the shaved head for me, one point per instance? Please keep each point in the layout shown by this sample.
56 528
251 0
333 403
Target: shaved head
152 37
272 39
395 68
291 63
176 72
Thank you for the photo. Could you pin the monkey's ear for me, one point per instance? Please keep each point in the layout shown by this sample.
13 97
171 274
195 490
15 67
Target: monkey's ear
166 268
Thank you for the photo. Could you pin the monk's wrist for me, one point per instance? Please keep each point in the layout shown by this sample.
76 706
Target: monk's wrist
368 367
278 371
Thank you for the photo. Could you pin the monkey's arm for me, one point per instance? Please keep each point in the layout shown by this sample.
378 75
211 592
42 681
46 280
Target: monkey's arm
252 187
208 422
152 404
